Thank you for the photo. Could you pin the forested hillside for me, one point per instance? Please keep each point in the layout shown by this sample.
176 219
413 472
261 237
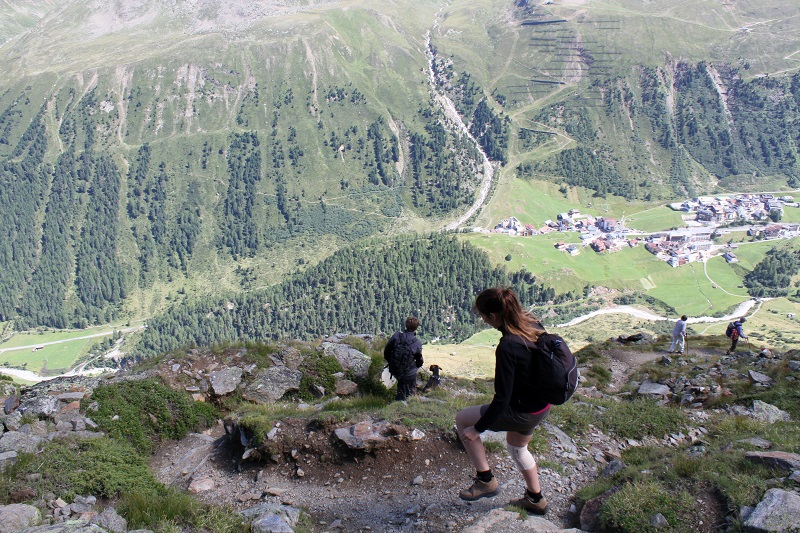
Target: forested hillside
371 287
150 152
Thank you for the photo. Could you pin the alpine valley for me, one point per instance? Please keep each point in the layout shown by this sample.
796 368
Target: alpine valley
242 170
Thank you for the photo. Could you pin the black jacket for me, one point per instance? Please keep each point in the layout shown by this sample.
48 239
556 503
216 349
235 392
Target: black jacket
414 344
513 376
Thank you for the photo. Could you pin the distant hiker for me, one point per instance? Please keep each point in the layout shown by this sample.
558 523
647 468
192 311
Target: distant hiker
514 409
403 352
734 331
434 380
678 334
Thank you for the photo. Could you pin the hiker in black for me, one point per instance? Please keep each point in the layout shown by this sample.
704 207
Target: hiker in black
735 333
403 352
514 409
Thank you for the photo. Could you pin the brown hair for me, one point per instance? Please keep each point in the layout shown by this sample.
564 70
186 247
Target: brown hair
504 302
412 323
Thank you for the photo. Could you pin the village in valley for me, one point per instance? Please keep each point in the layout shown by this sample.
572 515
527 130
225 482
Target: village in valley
705 217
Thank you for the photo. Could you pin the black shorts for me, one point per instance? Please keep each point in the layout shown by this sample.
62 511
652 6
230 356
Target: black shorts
517 422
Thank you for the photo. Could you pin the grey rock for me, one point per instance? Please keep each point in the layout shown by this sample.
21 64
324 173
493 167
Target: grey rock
769 413
272 383
795 477
71 396
16 517
784 460
508 521
13 421
345 387
198 448
367 435
658 520
648 388
10 405
794 366
613 467
349 358
270 523
758 377
288 514
7 459
111 521
7 389
39 406
16 441
757 443
779 510
290 357
226 380
565 442
70 526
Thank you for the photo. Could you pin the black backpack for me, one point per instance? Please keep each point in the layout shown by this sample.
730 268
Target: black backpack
401 359
729 329
557 369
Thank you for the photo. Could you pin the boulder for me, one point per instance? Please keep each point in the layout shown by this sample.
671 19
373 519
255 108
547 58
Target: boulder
111 521
16 517
345 387
70 526
648 388
271 384
779 510
769 413
369 435
349 358
16 441
783 460
226 380
760 378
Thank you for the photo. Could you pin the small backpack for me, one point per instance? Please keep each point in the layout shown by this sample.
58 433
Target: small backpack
401 359
730 329
557 372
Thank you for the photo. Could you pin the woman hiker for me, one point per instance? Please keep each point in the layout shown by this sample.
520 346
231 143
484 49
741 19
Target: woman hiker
513 409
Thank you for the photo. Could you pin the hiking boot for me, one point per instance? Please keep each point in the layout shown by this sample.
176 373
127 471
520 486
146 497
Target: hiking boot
480 489
527 503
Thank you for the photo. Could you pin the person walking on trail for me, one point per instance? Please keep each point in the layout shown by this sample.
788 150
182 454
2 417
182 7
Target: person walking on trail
403 352
513 409
678 335
735 332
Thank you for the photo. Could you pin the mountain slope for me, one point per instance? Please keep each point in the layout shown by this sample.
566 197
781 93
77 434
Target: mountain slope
149 151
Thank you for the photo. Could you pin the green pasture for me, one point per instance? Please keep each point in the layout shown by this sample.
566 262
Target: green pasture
472 358
52 359
35 338
689 291
654 219
791 214
628 268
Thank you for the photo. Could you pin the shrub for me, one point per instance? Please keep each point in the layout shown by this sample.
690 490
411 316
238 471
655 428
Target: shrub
142 412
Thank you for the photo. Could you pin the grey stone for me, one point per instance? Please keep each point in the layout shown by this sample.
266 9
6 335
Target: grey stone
270 523
70 526
226 380
11 404
779 510
648 388
16 517
290 515
7 458
367 435
565 442
345 387
757 442
794 366
13 421
71 396
795 476
15 441
349 358
508 521
271 384
658 520
613 467
758 377
784 460
110 520
769 413
39 406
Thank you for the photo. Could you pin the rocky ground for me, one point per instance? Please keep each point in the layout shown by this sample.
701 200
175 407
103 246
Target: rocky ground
410 485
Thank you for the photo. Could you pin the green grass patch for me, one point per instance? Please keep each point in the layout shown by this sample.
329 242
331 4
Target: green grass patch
641 417
633 507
